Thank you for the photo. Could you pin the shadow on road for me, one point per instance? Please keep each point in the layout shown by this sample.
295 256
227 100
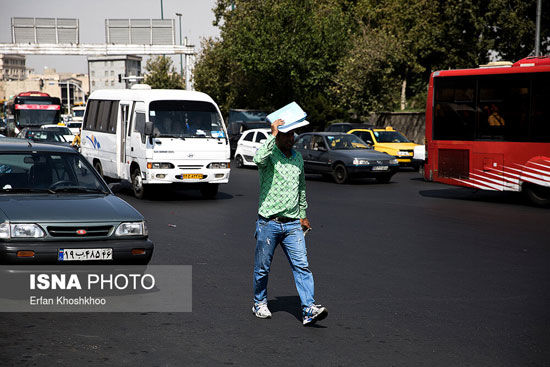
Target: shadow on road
167 194
477 195
291 305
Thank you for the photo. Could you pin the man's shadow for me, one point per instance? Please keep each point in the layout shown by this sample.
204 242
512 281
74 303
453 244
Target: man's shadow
291 305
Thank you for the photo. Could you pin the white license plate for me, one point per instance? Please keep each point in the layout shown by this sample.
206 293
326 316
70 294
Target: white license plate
380 168
85 254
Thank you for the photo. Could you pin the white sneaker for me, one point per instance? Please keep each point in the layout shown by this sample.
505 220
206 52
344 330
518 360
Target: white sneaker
260 310
313 314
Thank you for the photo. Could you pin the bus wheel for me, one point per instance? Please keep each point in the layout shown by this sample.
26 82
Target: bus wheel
137 184
209 191
538 195
239 161
340 173
98 168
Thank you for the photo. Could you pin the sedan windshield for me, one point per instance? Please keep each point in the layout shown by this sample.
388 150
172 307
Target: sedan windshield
345 142
185 119
389 137
47 172
46 135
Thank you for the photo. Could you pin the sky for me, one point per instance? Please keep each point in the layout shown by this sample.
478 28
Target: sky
196 23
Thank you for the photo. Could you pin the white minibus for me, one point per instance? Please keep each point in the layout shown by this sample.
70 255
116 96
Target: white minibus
154 137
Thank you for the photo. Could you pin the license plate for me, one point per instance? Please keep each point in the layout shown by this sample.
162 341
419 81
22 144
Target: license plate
191 176
380 168
85 254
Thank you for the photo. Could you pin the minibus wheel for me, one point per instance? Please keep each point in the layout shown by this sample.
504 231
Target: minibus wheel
137 184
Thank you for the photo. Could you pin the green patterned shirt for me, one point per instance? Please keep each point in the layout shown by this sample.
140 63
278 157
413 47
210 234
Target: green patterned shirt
282 182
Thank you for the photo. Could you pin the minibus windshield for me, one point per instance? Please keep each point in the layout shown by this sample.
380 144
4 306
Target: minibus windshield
185 119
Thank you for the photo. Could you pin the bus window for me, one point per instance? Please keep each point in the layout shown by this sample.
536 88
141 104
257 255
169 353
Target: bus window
454 109
504 108
540 121
91 116
111 126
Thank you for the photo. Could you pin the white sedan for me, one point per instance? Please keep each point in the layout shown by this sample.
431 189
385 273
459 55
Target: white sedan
248 144
64 130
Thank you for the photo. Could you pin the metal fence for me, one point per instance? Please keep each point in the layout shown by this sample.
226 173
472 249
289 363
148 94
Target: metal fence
45 30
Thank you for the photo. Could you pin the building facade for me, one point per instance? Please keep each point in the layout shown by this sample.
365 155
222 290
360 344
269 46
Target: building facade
12 67
104 71
51 82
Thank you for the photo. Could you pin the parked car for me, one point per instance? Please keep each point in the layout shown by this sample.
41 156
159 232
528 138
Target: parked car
344 156
390 141
67 133
342 127
248 144
55 208
43 135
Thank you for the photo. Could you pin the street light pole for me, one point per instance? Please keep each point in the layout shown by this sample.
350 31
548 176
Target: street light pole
161 10
181 43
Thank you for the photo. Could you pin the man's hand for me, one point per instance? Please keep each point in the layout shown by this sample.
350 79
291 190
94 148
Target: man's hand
305 224
275 125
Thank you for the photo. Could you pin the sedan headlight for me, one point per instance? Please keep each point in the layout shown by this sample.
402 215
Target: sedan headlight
394 161
131 229
360 162
218 165
21 230
5 230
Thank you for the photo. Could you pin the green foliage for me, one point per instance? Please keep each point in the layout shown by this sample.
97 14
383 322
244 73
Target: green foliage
342 58
160 74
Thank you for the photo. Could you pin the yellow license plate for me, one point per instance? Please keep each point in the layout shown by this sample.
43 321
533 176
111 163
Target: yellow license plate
192 176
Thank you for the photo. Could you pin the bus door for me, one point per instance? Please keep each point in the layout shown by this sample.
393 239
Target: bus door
136 140
122 138
488 170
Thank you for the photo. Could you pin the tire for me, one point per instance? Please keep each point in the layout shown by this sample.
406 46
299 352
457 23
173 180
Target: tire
340 174
137 184
384 178
538 195
239 161
209 191
98 168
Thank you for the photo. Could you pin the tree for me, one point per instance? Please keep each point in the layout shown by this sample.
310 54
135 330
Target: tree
274 52
160 74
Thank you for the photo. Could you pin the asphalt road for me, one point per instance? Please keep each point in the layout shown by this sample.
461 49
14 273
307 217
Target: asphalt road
413 274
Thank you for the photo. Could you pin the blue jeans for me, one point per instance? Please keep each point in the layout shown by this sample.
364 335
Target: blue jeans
291 237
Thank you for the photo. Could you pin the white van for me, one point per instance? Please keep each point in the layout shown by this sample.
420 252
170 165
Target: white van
77 117
156 137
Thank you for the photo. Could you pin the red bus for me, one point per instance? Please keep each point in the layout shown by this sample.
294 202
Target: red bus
489 128
31 109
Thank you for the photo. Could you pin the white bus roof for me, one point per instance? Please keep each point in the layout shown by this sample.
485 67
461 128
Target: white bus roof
150 95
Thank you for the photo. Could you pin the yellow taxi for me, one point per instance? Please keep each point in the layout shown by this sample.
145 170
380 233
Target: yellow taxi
389 141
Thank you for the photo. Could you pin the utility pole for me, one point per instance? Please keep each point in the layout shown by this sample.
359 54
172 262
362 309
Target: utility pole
537 34
68 99
181 43
161 10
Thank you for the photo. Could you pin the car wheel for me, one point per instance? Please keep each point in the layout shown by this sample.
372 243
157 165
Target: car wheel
209 191
383 178
239 161
137 184
340 173
538 195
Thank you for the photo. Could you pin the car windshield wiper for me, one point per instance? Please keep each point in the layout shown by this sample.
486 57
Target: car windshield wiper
26 189
79 189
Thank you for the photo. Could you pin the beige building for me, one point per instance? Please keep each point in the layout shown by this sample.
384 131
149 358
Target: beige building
51 82
12 67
